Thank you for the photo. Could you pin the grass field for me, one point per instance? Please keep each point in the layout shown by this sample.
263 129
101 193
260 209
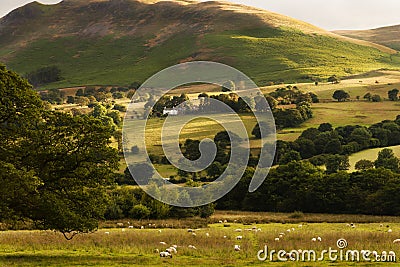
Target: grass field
136 247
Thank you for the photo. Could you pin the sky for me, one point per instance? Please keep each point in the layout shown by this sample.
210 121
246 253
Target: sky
330 15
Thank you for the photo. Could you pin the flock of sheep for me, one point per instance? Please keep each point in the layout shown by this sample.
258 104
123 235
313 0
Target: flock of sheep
173 249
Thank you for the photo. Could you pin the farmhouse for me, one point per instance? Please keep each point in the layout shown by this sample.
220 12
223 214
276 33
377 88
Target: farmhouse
170 111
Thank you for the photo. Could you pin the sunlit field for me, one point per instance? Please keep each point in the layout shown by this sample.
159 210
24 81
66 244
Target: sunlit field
212 245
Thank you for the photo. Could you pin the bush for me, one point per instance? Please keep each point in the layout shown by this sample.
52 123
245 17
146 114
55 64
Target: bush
140 212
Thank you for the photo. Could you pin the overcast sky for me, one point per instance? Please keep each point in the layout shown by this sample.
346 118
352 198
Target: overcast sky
330 15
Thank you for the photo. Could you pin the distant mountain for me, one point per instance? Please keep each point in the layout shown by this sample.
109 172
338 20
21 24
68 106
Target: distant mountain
387 36
120 41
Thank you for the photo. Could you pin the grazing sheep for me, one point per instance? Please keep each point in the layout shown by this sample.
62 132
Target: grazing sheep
381 225
120 224
194 234
397 241
319 239
123 229
142 227
225 236
192 247
293 229
300 226
107 233
162 243
237 248
159 230
207 235
165 254
171 250
314 239
239 237
174 246
277 239
238 230
157 251
288 230
130 227
219 221
280 236
225 221
390 231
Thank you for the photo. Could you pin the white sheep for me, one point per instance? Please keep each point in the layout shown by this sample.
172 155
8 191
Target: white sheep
314 239
130 227
237 248
192 247
225 221
225 237
165 254
163 243
207 235
220 221
238 230
319 239
194 234
120 224
107 233
277 239
239 237
397 241
390 231
171 250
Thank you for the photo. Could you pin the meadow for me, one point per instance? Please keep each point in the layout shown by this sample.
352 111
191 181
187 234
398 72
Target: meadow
214 243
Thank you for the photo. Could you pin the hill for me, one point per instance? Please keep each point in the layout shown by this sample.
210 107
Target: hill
387 36
101 42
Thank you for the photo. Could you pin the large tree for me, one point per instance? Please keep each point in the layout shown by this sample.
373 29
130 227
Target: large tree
54 167
341 95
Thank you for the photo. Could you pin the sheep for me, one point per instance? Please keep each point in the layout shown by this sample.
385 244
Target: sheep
314 239
390 231
277 239
130 227
225 221
157 251
171 250
159 230
192 247
107 233
280 236
123 229
219 221
397 241
237 248
174 246
293 229
120 224
381 225
239 237
194 234
142 227
162 243
238 230
319 239
207 235
225 237
288 230
165 254
300 226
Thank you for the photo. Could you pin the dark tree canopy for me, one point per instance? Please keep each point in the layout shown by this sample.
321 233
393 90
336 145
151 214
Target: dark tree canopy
54 166
341 95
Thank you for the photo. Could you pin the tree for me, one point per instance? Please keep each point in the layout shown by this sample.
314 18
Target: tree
341 95
335 163
393 94
325 127
368 96
376 98
54 167
44 76
215 170
333 79
386 159
364 164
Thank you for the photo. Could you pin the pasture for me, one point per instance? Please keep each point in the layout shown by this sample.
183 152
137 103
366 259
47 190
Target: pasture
370 154
211 245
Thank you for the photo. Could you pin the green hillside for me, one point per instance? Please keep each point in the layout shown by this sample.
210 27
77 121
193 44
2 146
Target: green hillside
117 42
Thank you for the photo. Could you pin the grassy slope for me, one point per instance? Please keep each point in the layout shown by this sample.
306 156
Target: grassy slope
116 44
370 154
388 36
